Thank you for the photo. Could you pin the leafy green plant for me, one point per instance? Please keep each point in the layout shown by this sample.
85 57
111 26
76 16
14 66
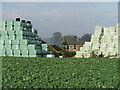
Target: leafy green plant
59 73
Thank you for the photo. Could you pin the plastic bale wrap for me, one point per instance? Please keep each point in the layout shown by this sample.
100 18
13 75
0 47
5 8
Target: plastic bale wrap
2 52
16 52
3 33
14 46
9 52
15 42
11 37
2 42
3 37
10 33
24 52
7 46
20 37
23 46
8 42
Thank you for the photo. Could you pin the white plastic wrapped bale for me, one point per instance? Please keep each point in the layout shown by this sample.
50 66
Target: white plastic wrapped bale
78 54
112 30
98 30
87 54
106 31
50 55
103 49
60 56
96 46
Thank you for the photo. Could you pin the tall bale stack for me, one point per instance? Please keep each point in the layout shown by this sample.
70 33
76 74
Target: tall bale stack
105 42
18 38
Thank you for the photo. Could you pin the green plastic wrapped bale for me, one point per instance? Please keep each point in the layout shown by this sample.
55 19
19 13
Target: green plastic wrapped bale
45 49
29 38
32 55
11 37
10 33
24 52
34 42
2 42
15 42
43 52
2 28
23 46
2 52
32 52
14 46
34 31
8 42
18 29
29 25
3 37
10 23
39 55
9 28
20 37
19 33
1 47
23 42
9 52
33 47
3 33
24 55
4 23
16 52
44 45
7 46
18 23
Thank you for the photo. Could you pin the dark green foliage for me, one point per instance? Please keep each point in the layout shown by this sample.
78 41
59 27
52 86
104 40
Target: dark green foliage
69 54
59 73
57 54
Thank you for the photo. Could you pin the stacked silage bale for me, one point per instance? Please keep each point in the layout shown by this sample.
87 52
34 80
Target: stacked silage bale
18 38
104 42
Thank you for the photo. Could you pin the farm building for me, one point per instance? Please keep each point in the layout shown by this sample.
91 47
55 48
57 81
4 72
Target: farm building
105 42
71 43
19 39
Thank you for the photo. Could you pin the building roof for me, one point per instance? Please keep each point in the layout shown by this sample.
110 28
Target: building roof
71 42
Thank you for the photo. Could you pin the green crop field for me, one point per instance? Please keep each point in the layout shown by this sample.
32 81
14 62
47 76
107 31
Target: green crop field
59 73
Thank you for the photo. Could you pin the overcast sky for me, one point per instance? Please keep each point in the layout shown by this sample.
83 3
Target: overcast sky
69 18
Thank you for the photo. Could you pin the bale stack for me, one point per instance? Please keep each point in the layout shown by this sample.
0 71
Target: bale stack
19 39
104 43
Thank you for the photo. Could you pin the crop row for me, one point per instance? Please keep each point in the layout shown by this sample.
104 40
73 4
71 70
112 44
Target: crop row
59 73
